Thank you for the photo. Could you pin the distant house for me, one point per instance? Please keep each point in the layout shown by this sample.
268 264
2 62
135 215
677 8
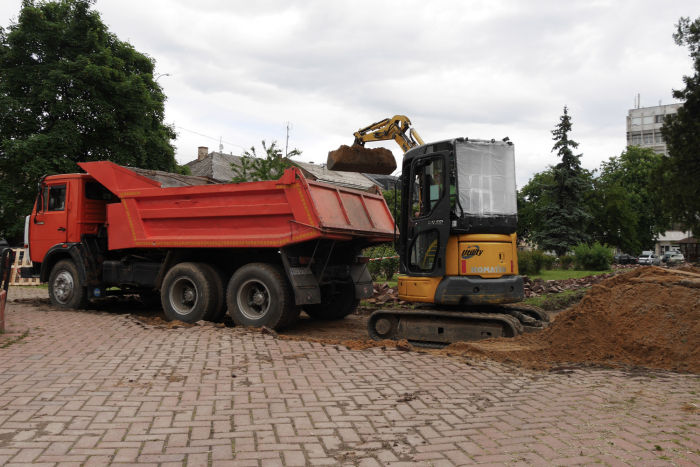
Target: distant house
217 166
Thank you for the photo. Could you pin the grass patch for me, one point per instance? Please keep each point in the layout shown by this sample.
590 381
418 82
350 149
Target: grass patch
561 274
14 341
557 301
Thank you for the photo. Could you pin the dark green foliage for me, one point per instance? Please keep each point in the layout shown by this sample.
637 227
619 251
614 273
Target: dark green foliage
677 180
530 262
595 257
614 221
548 262
531 198
393 200
269 167
629 176
564 216
383 267
71 91
566 261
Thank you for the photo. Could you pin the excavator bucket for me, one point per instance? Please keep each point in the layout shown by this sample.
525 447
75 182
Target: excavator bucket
357 158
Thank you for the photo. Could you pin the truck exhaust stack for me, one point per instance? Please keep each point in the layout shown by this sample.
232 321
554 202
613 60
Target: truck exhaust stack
357 158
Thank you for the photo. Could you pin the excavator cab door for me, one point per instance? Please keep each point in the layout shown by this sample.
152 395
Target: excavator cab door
426 202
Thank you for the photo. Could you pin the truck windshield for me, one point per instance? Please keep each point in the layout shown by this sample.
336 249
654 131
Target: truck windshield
486 178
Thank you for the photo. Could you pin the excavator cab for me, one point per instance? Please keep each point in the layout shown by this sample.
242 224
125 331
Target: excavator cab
459 235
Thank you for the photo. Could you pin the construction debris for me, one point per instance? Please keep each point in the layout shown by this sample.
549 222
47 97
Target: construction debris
385 296
537 287
649 316
360 159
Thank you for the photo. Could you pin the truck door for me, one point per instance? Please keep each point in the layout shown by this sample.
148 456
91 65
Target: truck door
428 222
48 227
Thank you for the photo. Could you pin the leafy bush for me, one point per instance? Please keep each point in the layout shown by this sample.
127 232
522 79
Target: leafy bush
548 262
382 267
566 261
595 257
530 262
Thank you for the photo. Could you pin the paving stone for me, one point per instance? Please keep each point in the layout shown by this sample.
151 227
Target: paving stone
88 389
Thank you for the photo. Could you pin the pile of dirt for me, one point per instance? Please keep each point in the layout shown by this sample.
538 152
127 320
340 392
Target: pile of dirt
360 159
159 322
648 316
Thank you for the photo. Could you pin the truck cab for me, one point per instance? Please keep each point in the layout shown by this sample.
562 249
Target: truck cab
67 206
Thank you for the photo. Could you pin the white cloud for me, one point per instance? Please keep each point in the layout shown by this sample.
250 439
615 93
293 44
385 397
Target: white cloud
484 69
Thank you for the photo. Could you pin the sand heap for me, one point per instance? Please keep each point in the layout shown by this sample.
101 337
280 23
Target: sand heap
648 317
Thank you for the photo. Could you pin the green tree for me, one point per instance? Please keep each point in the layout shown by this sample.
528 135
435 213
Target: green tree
564 215
677 180
613 220
531 198
632 171
71 91
269 167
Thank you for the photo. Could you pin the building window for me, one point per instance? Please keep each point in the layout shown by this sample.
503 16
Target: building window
660 118
648 120
659 138
637 121
648 138
636 140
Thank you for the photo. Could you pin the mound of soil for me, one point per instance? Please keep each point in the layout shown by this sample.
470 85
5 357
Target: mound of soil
648 316
360 159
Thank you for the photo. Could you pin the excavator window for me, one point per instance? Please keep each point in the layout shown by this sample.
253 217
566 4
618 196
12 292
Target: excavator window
428 185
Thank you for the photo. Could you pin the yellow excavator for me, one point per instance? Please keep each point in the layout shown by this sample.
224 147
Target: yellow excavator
457 241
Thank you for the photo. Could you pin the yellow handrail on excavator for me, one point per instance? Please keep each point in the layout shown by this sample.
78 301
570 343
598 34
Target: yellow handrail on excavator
397 128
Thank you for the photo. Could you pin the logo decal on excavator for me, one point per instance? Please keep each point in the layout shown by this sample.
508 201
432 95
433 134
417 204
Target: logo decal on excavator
471 251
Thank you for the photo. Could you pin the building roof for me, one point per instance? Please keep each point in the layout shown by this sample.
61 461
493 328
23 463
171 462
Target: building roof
218 166
169 180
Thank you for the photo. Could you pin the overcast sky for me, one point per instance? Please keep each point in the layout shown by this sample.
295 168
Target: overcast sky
483 69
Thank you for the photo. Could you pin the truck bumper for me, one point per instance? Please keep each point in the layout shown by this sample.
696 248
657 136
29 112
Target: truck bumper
469 290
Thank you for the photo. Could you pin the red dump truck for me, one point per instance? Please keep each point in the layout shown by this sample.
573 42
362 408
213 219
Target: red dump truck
261 250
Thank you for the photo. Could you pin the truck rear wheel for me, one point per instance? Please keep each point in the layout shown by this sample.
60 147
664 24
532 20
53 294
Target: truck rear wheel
220 282
65 289
335 306
189 293
259 295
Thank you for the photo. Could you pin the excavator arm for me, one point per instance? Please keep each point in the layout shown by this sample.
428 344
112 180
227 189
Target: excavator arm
397 128
357 158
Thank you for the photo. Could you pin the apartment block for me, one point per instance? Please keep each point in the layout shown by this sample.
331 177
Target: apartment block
644 126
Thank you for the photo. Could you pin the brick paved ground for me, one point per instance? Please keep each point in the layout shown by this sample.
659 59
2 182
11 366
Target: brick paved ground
91 389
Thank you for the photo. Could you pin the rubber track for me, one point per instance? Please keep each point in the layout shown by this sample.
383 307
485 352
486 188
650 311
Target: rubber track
504 318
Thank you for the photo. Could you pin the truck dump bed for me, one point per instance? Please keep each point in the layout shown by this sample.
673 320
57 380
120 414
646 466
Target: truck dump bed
255 214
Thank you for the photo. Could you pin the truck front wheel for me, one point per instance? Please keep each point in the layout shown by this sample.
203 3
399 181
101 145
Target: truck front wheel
260 295
65 289
188 293
334 305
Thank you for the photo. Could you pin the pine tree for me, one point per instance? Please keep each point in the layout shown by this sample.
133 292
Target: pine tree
564 216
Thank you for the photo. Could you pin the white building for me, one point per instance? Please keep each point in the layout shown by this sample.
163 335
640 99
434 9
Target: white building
644 126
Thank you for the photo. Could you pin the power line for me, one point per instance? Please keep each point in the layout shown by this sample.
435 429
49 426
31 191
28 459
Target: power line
215 139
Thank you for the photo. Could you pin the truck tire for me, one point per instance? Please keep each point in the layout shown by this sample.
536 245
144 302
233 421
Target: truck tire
219 279
188 293
65 289
260 295
335 306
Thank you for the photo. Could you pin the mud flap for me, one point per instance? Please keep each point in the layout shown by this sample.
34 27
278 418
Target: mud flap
364 287
304 282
